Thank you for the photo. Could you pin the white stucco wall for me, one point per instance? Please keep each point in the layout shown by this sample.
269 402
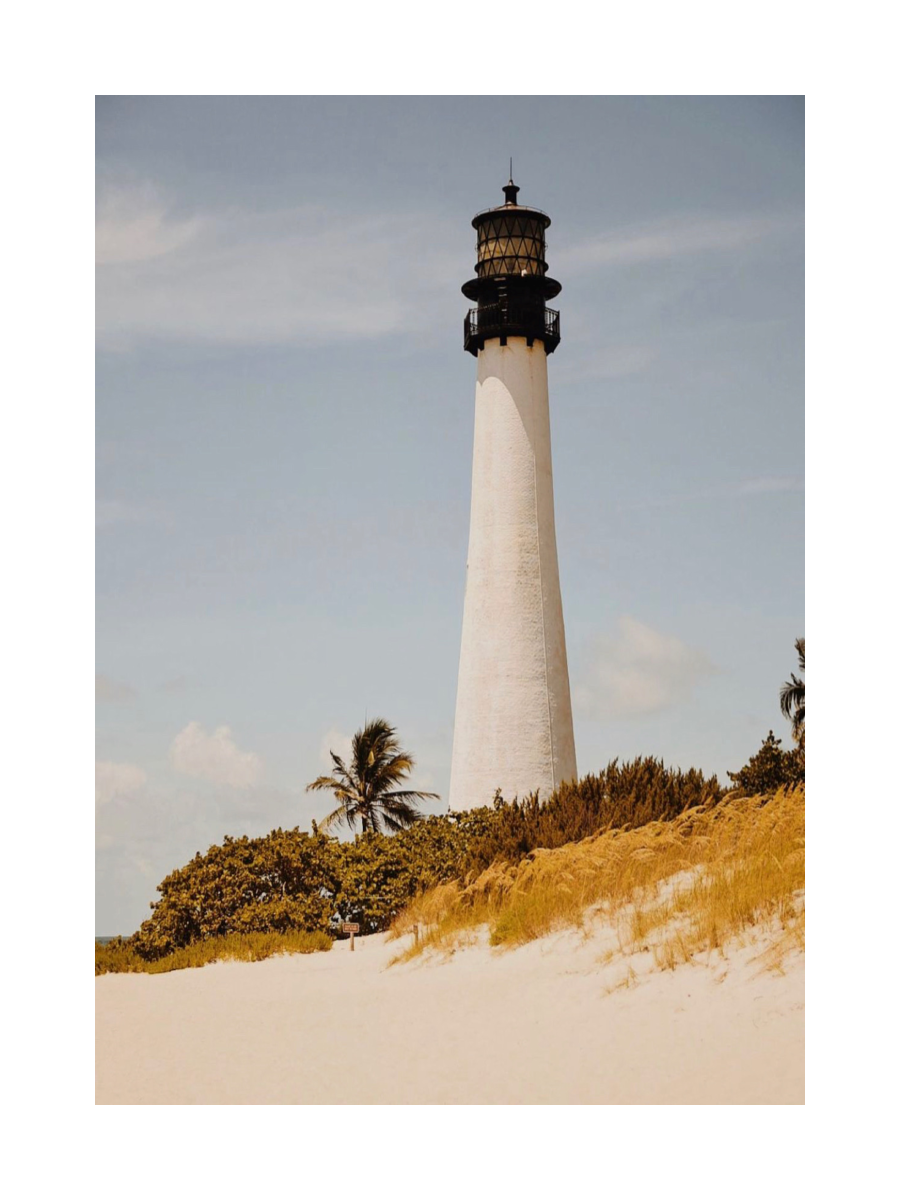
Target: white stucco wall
513 708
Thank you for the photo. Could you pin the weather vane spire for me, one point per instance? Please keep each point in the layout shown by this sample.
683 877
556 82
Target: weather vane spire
510 191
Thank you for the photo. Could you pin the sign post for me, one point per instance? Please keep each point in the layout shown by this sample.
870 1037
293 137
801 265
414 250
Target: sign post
352 928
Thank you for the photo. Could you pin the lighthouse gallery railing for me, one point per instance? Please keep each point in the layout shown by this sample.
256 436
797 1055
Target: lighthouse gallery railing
511 320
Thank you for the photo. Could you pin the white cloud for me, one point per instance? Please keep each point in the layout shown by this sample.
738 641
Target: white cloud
263 278
214 756
636 671
673 238
112 781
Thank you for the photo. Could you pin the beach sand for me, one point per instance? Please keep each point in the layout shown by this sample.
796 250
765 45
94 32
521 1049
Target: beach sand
542 1024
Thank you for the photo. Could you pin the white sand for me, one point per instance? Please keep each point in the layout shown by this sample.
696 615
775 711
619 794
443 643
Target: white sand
537 1025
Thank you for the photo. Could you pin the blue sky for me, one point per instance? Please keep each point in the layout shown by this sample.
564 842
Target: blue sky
284 435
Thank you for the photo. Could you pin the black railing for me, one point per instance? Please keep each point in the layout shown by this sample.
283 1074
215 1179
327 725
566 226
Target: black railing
511 320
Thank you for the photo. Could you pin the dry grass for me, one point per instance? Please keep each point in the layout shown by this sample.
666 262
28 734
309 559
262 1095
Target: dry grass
117 957
676 888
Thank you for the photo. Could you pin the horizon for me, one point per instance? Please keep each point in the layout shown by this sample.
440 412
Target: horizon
280 551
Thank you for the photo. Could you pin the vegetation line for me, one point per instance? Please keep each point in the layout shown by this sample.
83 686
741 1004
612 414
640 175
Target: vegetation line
119 956
525 866
671 888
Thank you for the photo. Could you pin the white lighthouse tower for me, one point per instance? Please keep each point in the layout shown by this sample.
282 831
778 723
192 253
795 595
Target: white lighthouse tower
513 726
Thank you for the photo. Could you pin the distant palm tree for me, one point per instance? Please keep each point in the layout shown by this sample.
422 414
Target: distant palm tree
366 786
793 694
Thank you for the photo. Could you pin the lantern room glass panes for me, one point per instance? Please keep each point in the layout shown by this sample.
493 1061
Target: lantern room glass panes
511 244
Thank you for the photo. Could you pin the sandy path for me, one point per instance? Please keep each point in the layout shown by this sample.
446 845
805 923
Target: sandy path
532 1026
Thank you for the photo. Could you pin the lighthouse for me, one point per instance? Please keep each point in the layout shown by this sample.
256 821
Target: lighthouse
513 728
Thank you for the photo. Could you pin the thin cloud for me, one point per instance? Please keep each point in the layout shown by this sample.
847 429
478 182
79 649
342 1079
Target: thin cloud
291 276
133 226
673 238
609 362
767 484
214 756
637 671
764 485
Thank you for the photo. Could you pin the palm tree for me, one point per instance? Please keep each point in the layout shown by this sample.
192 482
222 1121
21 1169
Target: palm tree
366 787
793 694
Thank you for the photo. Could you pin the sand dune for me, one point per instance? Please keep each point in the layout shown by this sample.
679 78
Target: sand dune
543 1024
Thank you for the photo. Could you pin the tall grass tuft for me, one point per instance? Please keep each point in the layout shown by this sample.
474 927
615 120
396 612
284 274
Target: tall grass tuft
117 956
674 887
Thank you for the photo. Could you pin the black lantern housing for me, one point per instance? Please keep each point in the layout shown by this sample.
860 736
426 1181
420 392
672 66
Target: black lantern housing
511 283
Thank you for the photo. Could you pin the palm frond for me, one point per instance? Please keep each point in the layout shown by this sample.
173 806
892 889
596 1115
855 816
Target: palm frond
323 783
392 770
409 796
792 696
344 814
397 824
399 815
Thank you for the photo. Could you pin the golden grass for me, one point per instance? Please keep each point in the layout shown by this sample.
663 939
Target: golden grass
249 947
676 888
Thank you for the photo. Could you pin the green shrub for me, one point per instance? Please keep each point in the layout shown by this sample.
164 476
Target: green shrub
272 884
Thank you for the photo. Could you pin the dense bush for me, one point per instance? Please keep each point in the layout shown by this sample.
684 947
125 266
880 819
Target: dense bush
771 768
295 880
286 880
290 880
628 795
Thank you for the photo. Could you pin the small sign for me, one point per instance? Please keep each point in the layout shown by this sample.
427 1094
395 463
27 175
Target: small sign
351 927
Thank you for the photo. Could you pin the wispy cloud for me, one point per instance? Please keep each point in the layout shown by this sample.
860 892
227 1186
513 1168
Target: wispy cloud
214 756
259 278
676 237
607 362
763 485
133 226
636 671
